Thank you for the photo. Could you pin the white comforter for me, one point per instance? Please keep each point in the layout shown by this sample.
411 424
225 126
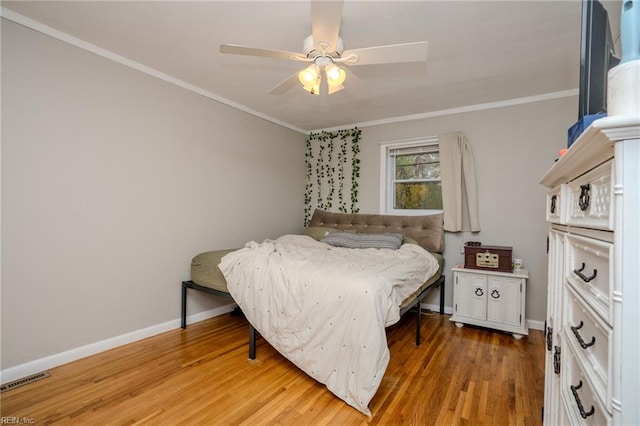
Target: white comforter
326 308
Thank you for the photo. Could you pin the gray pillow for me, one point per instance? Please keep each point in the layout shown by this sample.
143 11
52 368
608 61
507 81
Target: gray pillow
360 240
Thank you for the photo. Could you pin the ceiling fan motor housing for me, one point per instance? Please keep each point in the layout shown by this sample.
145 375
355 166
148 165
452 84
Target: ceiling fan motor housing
309 49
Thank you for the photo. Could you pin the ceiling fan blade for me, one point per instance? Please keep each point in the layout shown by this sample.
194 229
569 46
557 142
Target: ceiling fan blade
286 85
354 83
326 17
391 54
266 53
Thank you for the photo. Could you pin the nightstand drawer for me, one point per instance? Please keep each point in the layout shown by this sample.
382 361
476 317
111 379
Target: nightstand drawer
592 342
590 201
588 270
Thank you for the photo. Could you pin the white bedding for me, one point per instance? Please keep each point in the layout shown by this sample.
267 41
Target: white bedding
326 308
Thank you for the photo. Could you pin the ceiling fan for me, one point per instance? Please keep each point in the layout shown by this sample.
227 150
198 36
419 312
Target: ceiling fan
324 50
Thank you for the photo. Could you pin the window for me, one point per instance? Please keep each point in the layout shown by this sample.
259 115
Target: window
411 177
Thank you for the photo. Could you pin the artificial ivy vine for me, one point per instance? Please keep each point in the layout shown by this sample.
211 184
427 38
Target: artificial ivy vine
324 173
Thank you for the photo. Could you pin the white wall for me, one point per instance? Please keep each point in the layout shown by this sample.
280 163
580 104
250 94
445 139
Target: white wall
112 181
513 147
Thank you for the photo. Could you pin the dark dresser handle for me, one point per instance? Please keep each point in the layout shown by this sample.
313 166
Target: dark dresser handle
584 200
574 391
478 291
554 199
549 338
556 360
584 278
495 294
579 337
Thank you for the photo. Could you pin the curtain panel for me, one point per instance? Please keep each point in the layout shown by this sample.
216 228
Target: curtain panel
459 187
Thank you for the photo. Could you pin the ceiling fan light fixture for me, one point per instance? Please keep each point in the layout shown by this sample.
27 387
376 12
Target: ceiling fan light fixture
309 75
335 75
313 88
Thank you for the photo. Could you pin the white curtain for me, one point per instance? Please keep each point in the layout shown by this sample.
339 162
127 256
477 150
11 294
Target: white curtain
459 188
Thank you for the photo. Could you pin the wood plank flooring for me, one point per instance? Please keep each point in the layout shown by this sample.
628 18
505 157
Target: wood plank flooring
202 376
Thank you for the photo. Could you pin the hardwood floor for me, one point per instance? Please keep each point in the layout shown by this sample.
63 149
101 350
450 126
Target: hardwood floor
202 376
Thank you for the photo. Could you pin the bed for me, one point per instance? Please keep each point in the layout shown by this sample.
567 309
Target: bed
335 276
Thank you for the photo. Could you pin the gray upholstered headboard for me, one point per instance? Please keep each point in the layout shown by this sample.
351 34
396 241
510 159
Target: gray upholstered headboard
426 230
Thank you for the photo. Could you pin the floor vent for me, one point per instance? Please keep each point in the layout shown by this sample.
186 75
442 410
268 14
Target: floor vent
24 381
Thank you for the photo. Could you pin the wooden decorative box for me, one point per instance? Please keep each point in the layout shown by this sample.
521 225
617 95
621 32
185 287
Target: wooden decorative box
490 258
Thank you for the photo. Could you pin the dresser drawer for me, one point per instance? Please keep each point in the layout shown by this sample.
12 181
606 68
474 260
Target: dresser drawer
590 201
580 401
588 270
592 342
554 205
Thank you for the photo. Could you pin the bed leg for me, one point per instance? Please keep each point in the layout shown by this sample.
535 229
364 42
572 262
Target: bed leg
183 323
252 342
418 321
442 296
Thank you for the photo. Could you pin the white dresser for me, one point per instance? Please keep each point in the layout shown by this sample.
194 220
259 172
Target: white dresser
592 371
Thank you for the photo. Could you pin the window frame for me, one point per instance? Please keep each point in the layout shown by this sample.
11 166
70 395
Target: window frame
387 175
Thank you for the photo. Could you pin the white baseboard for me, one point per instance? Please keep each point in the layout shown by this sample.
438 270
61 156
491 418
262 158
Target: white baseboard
535 325
436 308
32 367
532 324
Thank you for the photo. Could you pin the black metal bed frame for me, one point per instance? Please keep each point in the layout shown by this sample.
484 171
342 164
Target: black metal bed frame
252 331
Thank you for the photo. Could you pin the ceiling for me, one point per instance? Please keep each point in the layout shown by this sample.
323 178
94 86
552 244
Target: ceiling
479 51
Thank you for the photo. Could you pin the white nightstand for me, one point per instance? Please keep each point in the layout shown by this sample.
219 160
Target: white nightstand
490 299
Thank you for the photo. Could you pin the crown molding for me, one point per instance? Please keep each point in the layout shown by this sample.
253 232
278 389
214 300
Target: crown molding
452 111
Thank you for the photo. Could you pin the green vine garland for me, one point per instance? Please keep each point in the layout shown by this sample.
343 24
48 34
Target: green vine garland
322 167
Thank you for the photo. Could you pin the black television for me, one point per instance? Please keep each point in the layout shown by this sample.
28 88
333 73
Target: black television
597 56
